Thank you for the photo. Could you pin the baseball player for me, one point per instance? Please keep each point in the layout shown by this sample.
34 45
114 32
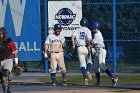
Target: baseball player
8 50
80 40
100 54
55 43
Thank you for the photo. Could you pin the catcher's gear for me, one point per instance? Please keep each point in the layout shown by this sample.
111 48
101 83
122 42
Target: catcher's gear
84 22
57 26
3 30
16 71
5 81
95 25
5 51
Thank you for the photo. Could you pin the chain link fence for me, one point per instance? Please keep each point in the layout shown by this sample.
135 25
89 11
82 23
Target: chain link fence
127 32
128 27
126 37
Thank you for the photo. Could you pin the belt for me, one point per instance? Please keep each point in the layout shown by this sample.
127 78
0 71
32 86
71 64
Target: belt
54 52
81 46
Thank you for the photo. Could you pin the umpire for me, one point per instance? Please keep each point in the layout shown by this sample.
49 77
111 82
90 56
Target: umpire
8 50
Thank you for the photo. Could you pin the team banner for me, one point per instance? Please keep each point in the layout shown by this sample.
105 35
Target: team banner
67 13
22 20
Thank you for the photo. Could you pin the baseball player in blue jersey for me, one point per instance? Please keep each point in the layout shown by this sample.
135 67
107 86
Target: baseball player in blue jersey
100 54
80 40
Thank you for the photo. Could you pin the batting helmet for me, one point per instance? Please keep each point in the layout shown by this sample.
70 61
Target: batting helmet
57 26
95 25
3 30
84 22
16 71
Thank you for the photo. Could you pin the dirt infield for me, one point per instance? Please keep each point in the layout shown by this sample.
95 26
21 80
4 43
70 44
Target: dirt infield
87 91
45 88
34 86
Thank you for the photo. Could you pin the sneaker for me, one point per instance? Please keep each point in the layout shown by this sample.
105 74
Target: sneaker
54 83
114 81
64 83
86 81
89 75
98 84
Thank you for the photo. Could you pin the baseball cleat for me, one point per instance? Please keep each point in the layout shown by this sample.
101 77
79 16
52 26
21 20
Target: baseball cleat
114 81
98 84
54 83
89 75
64 83
86 81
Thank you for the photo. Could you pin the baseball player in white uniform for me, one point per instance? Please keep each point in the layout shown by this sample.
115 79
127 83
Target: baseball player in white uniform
55 42
100 54
80 40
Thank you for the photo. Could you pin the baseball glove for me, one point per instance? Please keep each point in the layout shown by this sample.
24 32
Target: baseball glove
16 71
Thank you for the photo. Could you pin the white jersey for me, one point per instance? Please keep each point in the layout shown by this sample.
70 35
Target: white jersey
98 39
55 42
81 36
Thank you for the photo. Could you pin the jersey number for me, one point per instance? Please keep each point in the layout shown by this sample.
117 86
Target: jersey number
82 35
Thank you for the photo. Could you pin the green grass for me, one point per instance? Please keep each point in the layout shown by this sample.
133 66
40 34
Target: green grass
74 65
78 79
123 66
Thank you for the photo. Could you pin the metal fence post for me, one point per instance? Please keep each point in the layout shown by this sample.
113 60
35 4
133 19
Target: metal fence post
114 37
45 28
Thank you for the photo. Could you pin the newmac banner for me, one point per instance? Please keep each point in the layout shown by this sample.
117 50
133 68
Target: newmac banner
67 13
22 20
